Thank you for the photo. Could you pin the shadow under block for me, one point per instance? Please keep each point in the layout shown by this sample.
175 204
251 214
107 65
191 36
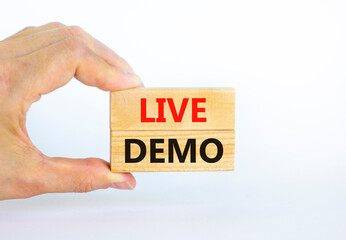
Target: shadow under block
158 130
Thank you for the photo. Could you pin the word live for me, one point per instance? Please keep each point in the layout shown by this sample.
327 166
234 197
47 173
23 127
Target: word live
172 130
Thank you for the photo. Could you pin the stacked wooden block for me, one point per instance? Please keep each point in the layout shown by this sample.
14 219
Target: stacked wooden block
172 130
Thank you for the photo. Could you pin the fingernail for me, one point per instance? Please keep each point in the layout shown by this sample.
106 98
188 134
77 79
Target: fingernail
136 79
122 185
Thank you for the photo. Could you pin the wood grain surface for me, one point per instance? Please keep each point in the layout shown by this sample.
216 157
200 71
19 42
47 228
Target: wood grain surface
226 163
126 109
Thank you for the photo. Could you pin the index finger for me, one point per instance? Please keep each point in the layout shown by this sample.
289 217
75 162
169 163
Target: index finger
53 66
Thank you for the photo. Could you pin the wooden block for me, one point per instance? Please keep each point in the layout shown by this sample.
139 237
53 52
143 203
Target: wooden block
172 130
214 150
137 109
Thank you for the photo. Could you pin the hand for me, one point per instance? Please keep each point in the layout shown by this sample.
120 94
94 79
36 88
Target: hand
36 61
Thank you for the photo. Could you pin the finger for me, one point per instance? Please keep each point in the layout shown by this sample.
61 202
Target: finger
30 30
82 175
54 66
98 47
36 41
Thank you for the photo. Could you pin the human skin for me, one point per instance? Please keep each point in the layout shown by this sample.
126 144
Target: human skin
36 61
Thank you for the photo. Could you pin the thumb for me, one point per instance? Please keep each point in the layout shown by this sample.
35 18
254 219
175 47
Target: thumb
83 175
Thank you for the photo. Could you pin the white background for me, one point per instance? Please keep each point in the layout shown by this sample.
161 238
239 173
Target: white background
286 60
